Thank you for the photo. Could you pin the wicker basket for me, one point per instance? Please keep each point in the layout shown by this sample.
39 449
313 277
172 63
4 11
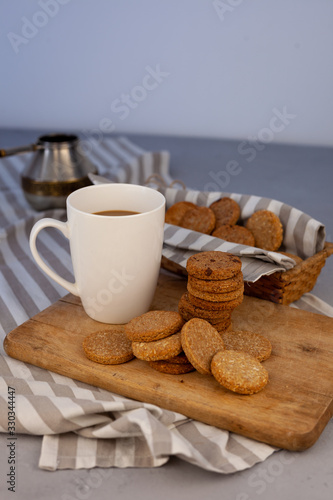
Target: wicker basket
282 287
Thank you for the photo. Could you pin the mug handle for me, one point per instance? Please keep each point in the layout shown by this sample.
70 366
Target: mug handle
63 228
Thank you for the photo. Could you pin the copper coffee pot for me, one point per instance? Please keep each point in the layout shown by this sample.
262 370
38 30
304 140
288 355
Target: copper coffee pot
57 168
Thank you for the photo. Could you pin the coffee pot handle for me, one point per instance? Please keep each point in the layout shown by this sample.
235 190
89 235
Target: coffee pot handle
19 150
63 228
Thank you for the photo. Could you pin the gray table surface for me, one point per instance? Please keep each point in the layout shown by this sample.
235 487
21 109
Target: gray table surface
301 176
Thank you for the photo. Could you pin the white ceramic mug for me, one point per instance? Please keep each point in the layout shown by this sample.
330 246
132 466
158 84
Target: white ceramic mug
116 259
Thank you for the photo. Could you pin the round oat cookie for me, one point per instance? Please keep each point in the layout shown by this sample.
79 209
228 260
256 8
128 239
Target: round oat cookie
226 210
227 305
239 372
200 341
156 350
267 229
217 286
108 347
176 212
200 219
153 325
213 265
171 368
235 234
188 311
216 297
253 343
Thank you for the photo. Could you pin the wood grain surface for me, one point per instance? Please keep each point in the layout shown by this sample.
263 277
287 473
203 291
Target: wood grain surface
290 412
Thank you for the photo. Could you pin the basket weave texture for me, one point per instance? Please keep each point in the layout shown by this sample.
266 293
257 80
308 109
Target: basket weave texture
281 287
284 287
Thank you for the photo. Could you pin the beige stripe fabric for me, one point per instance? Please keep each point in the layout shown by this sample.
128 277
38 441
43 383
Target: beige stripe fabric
309 302
180 244
83 426
303 235
88 427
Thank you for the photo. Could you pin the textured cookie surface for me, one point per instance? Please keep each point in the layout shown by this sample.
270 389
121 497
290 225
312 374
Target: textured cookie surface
219 324
227 305
253 343
200 219
217 286
222 326
235 233
216 297
213 265
153 325
188 311
109 347
239 372
180 359
158 349
200 341
224 318
171 368
176 212
267 230
226 210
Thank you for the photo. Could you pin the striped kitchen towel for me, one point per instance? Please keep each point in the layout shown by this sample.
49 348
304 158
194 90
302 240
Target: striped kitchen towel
303 235
24 289
83 426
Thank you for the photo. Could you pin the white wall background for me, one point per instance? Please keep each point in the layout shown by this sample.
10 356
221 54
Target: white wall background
225 68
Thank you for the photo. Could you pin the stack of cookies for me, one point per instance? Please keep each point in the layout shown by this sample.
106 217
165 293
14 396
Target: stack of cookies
215 288
156 338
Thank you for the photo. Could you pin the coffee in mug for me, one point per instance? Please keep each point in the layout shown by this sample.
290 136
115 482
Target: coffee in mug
115 213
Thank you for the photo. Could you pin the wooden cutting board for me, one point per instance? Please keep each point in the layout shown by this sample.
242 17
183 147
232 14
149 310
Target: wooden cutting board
290 412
